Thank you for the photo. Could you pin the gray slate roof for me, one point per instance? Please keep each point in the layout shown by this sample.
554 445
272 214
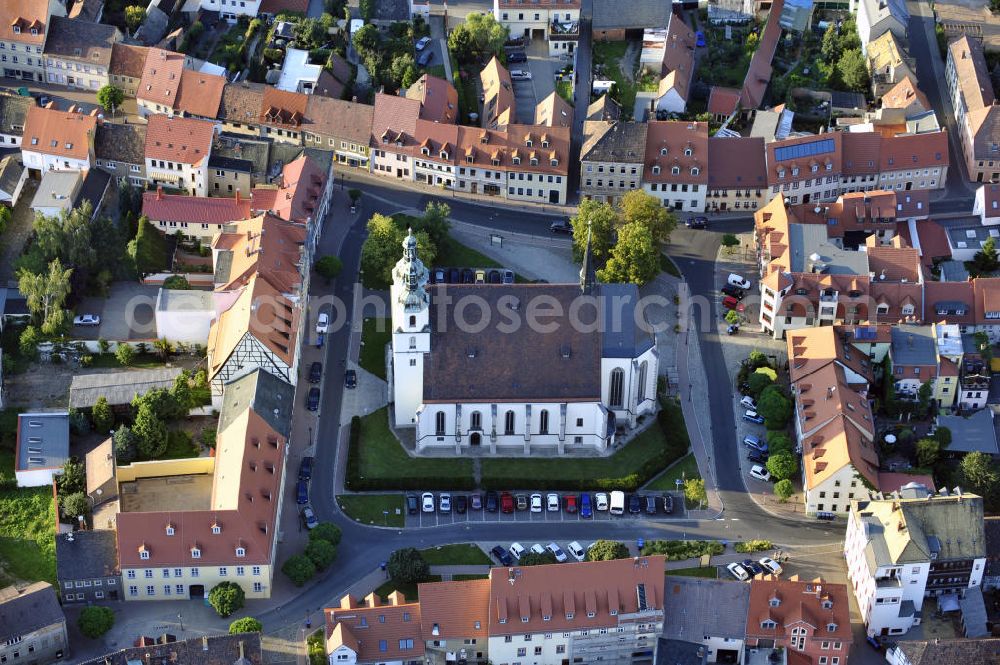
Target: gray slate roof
118 387
10 173
609 14
13 111
623 142
975 433
238 146
81 40
913 345
94 188
973 612
604 108
622 337
230 163
676 652
694 608
91 554
43 440
28 609
392 10
951 652
211 650
270 397
121 143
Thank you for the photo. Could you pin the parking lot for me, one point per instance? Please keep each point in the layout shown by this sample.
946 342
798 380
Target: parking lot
127 313
437 518
543 68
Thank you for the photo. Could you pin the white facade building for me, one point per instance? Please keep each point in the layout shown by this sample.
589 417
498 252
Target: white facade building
230 10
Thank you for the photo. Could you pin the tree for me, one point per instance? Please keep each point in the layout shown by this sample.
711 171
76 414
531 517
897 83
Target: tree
607 550
95 620
226 598
852 70
483 35
110 97
924 395
638 207
730 241
329 267
775 407
535 559
367 9
783 489
125 354
150 432
148 250
434 222
245 625
78 422
126 445
134 16
45 294
778 442
783 465
694 490
943 436
982 340
403 71
758 381
460 43
327 531
928 451
177 283
732 317
367 39
599 220
408 565
634 258
321 553
73 478
384 247
980 475
5 216
27 343
75 504
831 44
163 348
299 569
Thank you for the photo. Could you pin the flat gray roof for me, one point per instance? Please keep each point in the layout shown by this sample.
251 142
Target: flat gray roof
974 433
694 608
913 345
970 237
181 300
808 239
42 440
119 387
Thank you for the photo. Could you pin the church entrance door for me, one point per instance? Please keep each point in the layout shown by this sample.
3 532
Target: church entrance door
476 438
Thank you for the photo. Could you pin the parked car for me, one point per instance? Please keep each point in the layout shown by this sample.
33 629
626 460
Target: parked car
506 503
426 57
570 503
502 555
748 402
87 320
601 501
586 509
309 518
480 277
411 504
556 552
494 277
517 550
312 400
461 504
302 492
738 571
874 642
351 379
668 504
617 505
650 505
320 339
699 38
454 276
751 565
757 457
522 502
733 291
552 502
306 468
427 502
752 416
315 372
698 222
738 281
536 503
537 549
468 276
516 57
760 473
440 276
576 550
492 501
520 75
733 329
444 502
323 323
730 302
422 43
770 565
508 276
634 504
476 502
755 443
562 226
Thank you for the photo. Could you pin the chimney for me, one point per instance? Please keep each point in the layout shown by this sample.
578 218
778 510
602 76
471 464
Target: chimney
159 192
204 643
237 196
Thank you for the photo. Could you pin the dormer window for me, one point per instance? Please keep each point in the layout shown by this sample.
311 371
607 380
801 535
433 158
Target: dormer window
470 159
545 144
533 161
774 602
827 604
767 624
656 170
591 615
516 160
676 170
663 152
695 170
795 171
527 143
554 162
170 529
569 616
495 162
546 617
17 29
385 140
143 552
195 553
688 152
829 166
241 552
216 529
443 155
814 168
613 612
425 151
831 627
525 619
34 31
485 138
781 173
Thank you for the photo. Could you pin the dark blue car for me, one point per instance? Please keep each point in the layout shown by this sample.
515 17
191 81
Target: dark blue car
586 510
301 493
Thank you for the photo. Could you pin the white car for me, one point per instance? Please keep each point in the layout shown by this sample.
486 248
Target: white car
537 549
738 281
760 473
601 501
422 43
552 501
770 565
517 551
738 571
444 503
87 320
323 323
556 552
520 75
576 550
427 501
536 503
748 403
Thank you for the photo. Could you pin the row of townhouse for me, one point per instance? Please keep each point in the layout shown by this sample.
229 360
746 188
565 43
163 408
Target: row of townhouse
976 113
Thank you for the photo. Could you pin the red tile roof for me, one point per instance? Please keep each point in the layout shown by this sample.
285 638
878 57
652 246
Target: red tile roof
861 153
377 633
394 118
158 206
25 15
60 133
795 603
678 57
914 151
825 163
296 199
759 72
667 145
161 77
275 7
438 99
183 140
723 101
737 163
283 108
200 94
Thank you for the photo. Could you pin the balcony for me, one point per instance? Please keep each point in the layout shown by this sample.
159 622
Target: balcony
888 583
830 297
559 30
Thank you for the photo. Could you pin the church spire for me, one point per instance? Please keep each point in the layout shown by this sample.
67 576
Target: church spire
588 276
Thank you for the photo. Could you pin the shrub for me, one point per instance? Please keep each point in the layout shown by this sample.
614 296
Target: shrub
694 491
607 550
245 625
226 598
775 407
408 565
299 569
751 546
125 354
74 505
784 489
102 416
783 465
176 282
321 553
326 531
679 550
95 620
535 559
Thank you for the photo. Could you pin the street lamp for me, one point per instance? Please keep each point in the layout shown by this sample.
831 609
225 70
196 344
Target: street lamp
181 619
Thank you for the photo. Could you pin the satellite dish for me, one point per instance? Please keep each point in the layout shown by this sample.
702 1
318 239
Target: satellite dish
890 438
814 257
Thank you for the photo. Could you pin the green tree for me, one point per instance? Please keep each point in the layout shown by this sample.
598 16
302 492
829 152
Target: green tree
177 283
110 97
924 395
928 451
5 216
484 36
434 222
125 354
983 344
329 267
226 598
979 474
150 432
534 559
134 16
943 436
783 489
148 250
398 69
27 343
45 295
384 247
758 381
245 625
600 220
73 477
694 490
321 553
327 531
778 442
853 71
407 565
367 9
831 44
638 207
461 43
775 407
78 422
163 348
607 550
367 40
732 317
126 445
95 620
730 241
299 569
783 465
634 258
75 504
68 236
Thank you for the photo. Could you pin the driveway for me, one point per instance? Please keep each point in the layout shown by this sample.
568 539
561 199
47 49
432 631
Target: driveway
542 83
127 313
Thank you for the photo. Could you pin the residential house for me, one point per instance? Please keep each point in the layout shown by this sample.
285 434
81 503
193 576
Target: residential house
738 177
554 111
722 103
281 115
178 151
230 10
914 161
389 633
240 108
24 24
482 156
160 82
42 447
875 18
58 140
454 621
976 114
677 69
905 95
393 134
240 649
556 21
888 63
603 109
986 205
34 626
971 373
914 359
612 159
498 96
121 151
806 168
939 651
341 127
297 74
538 161
13 115
910 545
228 176
302 195
57 193
13 175
78 53
87 566
255 150
128 61
438 99
611 23
861 162
176 549
675 168
759 72
810 619
713 615
197 217
199 95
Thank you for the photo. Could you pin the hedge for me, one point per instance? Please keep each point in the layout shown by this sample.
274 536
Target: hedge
751 546
681 550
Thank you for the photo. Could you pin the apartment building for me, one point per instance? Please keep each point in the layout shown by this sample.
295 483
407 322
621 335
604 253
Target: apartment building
677 69
908 546
302 195
556 21
240 108
738 177
438 99
281 115
128 62
554 111
454 621
194 216
24 25
675 169
805 169
712 618
914 358
178 151
78 53
861 162
229 176
906 96
914 161
34 626
369 633
341 127
976 114
58 140
160 82
200 94
612 159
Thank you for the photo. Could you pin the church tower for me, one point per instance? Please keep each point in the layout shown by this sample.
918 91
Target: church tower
411 332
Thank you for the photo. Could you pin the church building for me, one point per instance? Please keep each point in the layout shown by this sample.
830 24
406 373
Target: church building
518 368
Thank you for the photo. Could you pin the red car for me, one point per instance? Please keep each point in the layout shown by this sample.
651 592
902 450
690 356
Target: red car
730 302
570 503
506 503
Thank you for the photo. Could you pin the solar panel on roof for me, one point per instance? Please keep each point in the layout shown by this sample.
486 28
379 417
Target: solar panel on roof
865 333
801 150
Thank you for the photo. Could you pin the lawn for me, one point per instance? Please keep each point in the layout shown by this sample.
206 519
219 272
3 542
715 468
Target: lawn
375 334
709 572
686 467
436 70
27 527
609 55
460 578
565 90
407 589
139 361
371 508
180 445
377 461
465 554
454 253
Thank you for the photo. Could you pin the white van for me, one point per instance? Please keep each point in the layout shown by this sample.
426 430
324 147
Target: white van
738 281
618 503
